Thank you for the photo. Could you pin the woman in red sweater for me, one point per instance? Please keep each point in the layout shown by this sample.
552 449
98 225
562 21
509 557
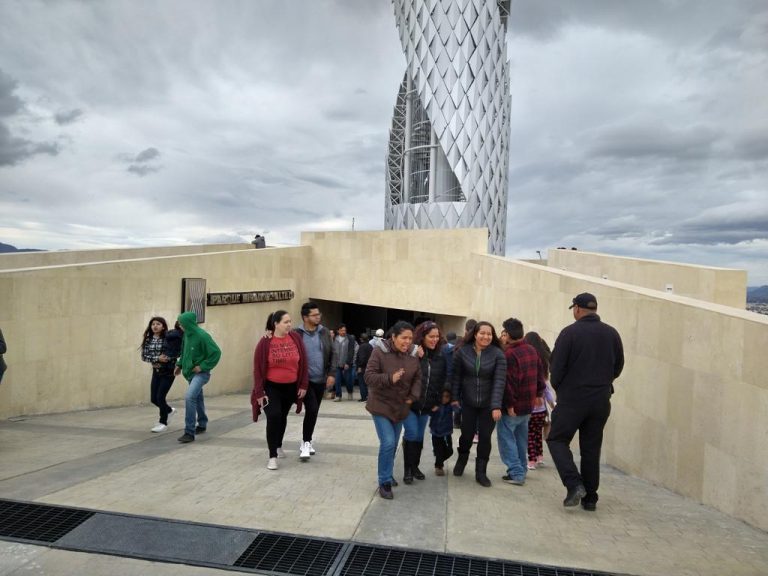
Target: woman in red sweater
280 379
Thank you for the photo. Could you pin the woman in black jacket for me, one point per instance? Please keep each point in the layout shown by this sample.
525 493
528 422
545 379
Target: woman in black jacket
479 373
433 382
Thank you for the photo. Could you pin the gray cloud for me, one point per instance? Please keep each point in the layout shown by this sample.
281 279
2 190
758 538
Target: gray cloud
142 169
147 155
647 140
65 117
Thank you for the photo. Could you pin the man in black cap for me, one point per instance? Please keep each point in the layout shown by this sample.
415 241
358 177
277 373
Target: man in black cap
587 358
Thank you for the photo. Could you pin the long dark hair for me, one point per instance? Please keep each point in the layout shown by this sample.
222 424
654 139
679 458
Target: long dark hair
421 332
538 342
470 338
148 332
275 318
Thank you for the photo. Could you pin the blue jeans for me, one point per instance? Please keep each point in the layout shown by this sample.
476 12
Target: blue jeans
194 404
513 443
389 436
345 377
414 426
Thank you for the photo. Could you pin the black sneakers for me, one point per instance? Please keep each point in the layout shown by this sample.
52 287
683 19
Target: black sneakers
574 496
199 430
385 491
588 505
186 439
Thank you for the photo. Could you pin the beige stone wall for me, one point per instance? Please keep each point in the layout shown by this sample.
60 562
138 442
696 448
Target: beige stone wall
17 260
73 331
425 270
690 412
717 285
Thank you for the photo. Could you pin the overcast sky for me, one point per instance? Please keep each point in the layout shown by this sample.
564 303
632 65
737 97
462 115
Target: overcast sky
638 127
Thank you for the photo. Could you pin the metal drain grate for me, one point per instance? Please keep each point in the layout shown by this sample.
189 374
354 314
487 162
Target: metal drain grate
290 555
379 561
38 522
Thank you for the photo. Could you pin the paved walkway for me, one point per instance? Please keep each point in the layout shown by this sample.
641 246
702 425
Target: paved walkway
108 460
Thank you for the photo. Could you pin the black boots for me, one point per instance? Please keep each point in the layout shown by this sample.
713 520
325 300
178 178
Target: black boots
411 459
480 475
407 462
461 463
416 459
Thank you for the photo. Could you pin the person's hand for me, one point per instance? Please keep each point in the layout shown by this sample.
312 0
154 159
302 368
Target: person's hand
177 371
408 401
538 402
496 415
261 401
196 370
511 411
267 334
346 366
420 351
456 404
435 408
302 393
330 382
398 375
163 358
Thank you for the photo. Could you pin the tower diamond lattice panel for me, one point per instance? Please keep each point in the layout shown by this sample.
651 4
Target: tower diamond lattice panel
448 150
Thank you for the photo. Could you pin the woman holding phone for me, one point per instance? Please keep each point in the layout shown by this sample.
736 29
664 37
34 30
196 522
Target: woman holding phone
280 379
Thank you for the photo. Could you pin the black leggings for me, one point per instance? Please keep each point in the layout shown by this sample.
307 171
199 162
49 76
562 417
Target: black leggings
281 398
476 420
161 385
312 407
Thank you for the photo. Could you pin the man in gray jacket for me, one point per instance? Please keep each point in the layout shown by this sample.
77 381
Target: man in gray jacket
317 342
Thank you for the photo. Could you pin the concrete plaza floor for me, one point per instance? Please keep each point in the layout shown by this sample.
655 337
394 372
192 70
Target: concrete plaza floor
108 460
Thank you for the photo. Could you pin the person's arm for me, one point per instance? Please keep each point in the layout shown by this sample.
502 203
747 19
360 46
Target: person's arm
414 394
303 366
559 360
374 377
212 355
618 365
541 382
499 380
456 377
259 370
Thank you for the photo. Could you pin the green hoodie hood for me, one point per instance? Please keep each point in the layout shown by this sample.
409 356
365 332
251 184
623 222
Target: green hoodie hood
187 320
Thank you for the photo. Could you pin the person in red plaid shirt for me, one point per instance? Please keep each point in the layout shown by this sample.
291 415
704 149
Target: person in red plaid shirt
524 389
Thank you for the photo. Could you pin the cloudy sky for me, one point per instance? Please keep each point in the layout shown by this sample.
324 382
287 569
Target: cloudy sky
638 128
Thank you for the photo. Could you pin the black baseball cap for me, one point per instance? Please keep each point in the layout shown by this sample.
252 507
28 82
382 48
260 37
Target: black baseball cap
584 300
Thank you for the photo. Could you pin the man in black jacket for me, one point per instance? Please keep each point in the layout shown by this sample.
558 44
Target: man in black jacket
364 352
587 358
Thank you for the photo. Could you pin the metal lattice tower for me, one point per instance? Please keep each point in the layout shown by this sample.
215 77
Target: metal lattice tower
448 150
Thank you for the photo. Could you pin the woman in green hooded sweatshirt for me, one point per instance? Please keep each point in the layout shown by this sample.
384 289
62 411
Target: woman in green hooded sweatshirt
199 355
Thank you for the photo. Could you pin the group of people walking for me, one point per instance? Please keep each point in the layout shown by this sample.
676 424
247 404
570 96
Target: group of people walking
412 377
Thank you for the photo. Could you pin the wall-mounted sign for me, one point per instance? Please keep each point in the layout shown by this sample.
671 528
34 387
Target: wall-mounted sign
193 297
225 298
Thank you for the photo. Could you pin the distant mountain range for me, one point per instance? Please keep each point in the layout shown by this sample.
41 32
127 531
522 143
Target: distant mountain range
4 248
757 294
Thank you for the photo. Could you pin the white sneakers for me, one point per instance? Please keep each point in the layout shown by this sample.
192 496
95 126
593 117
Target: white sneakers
171 414
272 464
311 448
280 452
159 427
305 453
